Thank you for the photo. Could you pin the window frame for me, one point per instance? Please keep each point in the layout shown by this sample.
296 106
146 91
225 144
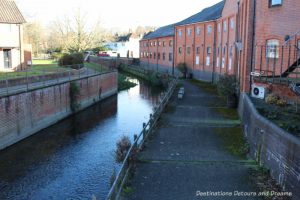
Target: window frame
271 5
272 51
209 29
198 30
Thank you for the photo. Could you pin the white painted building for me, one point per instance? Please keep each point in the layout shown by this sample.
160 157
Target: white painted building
11 37
126 46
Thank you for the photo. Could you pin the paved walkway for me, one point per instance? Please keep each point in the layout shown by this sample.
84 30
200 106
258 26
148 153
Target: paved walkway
186 154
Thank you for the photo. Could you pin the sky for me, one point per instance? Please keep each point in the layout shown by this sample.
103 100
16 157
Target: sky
114 14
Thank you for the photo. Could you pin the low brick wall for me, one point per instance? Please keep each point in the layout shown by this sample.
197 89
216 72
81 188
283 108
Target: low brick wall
24 114
272 147
41 78
111 63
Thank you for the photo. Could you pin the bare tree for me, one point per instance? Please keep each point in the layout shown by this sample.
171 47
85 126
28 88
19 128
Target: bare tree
75 34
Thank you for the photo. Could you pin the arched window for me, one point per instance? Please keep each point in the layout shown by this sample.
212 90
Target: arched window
272 48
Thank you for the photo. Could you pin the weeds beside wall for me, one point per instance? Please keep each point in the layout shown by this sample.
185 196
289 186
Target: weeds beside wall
272 147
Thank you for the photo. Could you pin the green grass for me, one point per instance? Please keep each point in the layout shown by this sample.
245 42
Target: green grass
228 113
95 66
206 86
44 62
124 83
233 141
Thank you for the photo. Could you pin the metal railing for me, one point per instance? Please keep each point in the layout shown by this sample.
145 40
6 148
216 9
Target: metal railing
277 64
25 80
139 140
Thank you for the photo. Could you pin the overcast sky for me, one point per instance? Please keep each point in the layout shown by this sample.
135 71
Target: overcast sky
123 14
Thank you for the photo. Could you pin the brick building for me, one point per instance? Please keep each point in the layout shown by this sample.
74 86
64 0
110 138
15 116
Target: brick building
157 49
255 40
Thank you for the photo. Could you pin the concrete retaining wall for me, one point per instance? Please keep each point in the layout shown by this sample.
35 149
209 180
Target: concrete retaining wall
24 114
272 147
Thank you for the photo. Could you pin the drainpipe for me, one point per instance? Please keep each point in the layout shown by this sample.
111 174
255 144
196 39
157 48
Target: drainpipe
20 46
253 41
173 53
238 40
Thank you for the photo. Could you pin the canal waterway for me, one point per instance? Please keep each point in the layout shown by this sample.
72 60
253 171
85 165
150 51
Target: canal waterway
74 159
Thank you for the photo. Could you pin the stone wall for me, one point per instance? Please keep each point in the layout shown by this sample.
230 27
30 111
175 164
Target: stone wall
24 114
272 147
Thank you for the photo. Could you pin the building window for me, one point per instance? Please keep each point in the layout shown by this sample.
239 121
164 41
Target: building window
159 43
198 50
189 31
208 50
218 51
158 56
164 43
219 27
164 56
209 29
224 50
170 56
272 49
232 23
171 43
7 58
275 3
198 30
147 55
225 26
154 43
188 50
231 51
154 56
147 44
150 44
142 54
179 32
180 50
150 55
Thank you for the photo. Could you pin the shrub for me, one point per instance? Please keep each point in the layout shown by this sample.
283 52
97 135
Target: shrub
182 67
123 146
281 102
227 85
71 59
272 99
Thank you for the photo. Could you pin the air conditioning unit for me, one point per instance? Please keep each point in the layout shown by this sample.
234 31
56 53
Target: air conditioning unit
258 92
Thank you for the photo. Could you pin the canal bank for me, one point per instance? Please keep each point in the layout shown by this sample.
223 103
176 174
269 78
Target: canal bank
74 159
26 113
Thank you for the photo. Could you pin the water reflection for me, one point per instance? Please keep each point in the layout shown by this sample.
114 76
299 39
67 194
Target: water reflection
74 158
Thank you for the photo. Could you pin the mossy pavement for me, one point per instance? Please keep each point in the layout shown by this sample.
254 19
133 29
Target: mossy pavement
198 146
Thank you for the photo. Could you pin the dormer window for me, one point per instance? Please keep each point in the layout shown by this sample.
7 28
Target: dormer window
275 3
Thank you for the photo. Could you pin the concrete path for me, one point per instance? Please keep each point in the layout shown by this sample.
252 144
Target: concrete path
186 156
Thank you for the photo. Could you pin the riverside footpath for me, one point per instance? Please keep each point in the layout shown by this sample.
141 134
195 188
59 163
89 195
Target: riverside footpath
196 152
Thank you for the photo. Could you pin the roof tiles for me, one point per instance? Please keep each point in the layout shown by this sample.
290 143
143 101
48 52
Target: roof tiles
9 12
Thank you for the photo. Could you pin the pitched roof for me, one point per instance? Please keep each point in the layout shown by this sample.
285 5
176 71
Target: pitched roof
161 32
124 38
211 13
9 12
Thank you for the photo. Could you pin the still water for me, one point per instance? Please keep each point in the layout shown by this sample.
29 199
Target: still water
74 159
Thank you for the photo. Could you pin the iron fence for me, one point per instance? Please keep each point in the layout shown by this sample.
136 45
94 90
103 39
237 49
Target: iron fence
25 80
138 143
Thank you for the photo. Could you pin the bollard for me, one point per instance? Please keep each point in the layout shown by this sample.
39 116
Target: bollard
144 130
135 141
151 120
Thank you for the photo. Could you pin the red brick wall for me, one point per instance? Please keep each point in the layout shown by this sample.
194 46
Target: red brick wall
154 47
26 113
194 41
